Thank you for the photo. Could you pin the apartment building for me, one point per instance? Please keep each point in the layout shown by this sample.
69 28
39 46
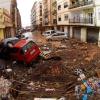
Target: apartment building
49 14
80 18
36 16
11 6
18 24
5 24
54 14
63 15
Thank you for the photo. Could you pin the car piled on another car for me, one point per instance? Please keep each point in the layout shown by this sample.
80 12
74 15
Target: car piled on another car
22 50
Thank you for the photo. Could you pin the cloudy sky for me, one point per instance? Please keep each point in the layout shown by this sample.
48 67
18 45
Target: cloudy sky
25 10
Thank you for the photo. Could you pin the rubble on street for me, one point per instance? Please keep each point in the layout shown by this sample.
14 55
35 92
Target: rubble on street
4 87
60 75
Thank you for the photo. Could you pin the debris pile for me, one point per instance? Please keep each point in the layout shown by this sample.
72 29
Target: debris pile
56 76
4 87
88 87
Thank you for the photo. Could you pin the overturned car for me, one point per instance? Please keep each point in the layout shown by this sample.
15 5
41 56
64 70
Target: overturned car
23 50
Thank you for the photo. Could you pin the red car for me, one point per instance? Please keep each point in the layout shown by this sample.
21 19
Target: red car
25 51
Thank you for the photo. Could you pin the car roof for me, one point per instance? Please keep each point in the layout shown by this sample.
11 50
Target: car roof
9 40
49 30
13 38
21 43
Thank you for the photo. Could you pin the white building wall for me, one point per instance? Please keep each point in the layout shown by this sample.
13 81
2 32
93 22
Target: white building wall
62 12
97 15
37 10
97 2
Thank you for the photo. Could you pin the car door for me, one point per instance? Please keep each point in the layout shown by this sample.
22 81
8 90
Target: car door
55 36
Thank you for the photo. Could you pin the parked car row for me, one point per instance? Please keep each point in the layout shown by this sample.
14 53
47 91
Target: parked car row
55 35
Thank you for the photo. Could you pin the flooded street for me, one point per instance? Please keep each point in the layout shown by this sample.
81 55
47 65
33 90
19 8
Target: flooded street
53 76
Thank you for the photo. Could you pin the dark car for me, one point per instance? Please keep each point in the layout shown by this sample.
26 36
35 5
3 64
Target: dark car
10 41
5 47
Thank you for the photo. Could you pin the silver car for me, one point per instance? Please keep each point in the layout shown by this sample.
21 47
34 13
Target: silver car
48 33
58 36
10 41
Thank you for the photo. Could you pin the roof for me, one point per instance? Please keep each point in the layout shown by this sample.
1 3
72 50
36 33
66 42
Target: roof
21 43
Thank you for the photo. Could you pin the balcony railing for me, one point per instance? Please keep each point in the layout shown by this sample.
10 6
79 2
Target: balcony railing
81 20
80 3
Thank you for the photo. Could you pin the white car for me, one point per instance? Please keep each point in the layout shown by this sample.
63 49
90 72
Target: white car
27 35
10 41
58 36
49 32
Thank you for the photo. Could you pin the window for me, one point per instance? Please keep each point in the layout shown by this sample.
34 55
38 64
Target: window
47 33
65 4
40 6
53 32
66 17
40 19
40 12
59 7
28 46
59 18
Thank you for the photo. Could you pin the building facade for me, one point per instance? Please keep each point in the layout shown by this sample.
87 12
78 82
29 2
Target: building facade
63 15
11 6
36 16
5 24
49 14
80 18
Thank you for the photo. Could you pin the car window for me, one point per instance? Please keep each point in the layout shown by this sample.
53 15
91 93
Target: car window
47 32
52 31
55 35
28 46
59 34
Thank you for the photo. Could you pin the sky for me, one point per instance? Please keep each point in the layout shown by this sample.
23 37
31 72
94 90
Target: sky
24 7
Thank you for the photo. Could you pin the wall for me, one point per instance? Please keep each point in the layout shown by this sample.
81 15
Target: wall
1 34
62 12
97 15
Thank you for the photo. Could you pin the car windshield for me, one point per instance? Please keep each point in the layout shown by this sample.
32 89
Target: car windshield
28 46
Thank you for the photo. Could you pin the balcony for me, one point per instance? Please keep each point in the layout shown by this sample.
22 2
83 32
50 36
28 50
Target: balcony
80 4
81 21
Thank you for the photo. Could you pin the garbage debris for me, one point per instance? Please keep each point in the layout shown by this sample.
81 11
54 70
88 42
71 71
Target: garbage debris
69 72
98 72
88 87
9 70
4 87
